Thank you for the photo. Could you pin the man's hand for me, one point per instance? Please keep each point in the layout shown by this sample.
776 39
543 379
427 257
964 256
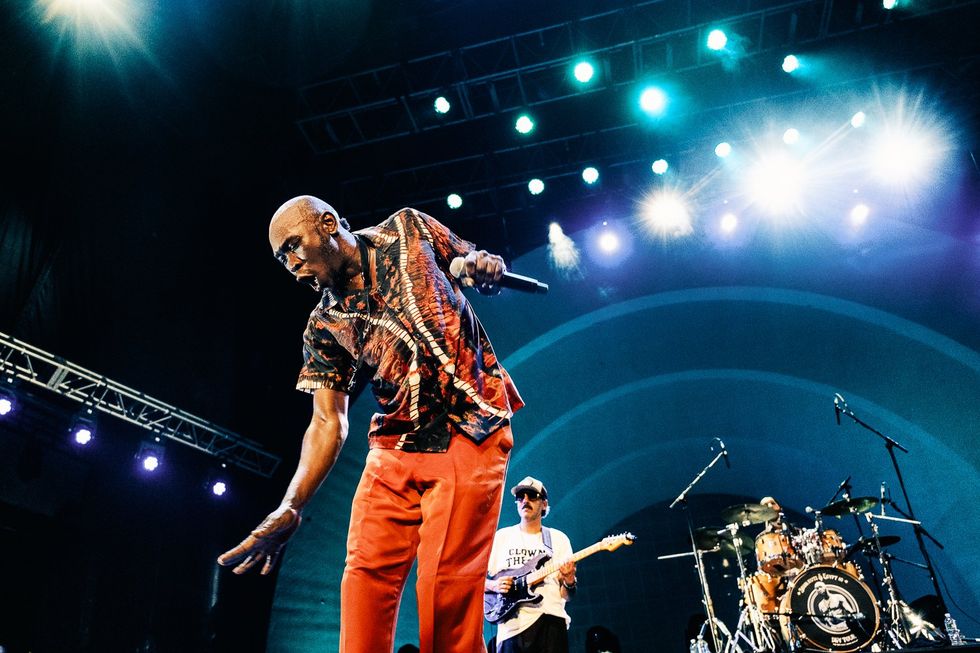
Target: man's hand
567 572
485 270
264 543
501 585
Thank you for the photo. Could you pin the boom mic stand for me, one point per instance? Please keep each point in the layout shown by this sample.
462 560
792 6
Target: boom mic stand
840 406
698 562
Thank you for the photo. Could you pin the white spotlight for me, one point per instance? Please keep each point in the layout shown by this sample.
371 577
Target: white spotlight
858 119
791 63
889 4
442 105
608 241
659 166
653 100
535 186
583 72
859 214
590 175
723 149
791 136
775 183
717 39
728 223
454 201
901 156
524 124
667 214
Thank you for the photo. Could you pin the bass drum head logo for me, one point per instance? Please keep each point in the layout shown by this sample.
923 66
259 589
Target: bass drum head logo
828 609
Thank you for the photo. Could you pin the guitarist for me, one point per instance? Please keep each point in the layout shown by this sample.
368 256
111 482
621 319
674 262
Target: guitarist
540 627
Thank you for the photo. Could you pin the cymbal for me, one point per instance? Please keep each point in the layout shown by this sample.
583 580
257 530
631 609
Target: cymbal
847 506
752 513
707 538
867 544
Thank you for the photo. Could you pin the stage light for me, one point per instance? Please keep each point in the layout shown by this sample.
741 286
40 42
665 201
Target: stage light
442 105
454 201
666 213
723 149
83 435
83 427
859 214
902 155
791 63
584 72
535 186
218 488
562 250
659 166
858 119
524 124
717 39
775 183
889 4
590 175
791 136
654 101
728 223
6 406
609 241
150 456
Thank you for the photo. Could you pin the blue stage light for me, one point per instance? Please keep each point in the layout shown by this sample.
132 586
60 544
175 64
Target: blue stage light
584 72
717 39
535 186
659 166
454 201
791 63
653 100
442 105
590 175
524 124
6 406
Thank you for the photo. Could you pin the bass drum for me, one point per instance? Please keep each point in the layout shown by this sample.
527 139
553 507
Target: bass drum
828 609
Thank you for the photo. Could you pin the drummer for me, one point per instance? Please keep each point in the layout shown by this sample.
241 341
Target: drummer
777 524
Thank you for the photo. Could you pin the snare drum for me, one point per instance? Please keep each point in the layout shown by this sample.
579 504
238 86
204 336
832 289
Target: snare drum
775 553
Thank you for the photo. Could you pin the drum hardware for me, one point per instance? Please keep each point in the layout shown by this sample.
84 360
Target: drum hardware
711 622
841 408
763 637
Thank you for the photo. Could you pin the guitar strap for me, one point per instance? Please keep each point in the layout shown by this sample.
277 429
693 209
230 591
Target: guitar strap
546 540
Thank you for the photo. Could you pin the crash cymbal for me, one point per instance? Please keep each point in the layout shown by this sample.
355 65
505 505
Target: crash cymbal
748 513
708 539
867 544
847 506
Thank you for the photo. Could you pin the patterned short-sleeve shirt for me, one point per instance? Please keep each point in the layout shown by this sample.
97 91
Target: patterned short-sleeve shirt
433 370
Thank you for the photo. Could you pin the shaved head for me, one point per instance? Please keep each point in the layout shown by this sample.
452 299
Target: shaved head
307 207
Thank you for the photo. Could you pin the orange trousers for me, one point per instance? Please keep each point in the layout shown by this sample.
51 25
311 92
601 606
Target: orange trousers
441 508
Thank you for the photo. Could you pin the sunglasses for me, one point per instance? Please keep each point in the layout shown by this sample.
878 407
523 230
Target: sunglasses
530 494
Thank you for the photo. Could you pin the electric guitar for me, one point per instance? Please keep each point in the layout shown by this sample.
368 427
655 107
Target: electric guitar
500 607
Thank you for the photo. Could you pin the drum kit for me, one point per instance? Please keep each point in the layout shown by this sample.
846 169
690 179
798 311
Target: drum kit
806 592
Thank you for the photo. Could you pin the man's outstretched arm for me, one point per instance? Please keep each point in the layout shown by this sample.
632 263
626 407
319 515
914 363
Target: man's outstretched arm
322 443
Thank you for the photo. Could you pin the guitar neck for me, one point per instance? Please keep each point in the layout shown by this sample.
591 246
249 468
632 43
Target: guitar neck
552 567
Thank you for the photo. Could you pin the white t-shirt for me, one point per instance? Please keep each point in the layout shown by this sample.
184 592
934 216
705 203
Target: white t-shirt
512 548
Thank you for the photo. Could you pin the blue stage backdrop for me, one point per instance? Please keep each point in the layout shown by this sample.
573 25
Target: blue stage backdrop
629 371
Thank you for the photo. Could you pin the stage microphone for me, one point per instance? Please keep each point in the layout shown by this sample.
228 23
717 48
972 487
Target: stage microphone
724 452
838 400
842 486
508 280
884 486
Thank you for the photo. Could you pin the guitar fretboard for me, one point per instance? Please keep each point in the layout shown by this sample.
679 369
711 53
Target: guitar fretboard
553 566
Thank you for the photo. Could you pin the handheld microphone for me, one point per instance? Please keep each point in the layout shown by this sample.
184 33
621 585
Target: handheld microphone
724 452
508 280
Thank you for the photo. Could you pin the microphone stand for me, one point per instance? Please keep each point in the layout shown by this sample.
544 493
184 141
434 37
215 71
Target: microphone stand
698 561
891 445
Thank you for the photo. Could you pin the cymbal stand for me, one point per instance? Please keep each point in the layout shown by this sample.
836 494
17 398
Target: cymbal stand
763 639
904 623
841 406
699 562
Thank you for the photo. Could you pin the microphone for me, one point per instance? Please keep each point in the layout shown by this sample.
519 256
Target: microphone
838 400
724 452
508 280
842 485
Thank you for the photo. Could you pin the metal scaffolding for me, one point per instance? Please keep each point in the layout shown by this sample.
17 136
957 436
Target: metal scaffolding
28 363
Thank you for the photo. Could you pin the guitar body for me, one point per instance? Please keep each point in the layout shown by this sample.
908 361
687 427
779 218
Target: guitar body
500 607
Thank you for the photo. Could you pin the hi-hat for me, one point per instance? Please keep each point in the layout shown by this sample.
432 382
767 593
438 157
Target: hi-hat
709 539
748 513
847 506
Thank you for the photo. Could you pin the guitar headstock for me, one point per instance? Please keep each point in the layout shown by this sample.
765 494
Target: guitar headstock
613 542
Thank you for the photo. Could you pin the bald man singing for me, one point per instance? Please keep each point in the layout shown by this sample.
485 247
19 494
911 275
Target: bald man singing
431 489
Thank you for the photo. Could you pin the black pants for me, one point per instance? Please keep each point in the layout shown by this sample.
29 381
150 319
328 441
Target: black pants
546 635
